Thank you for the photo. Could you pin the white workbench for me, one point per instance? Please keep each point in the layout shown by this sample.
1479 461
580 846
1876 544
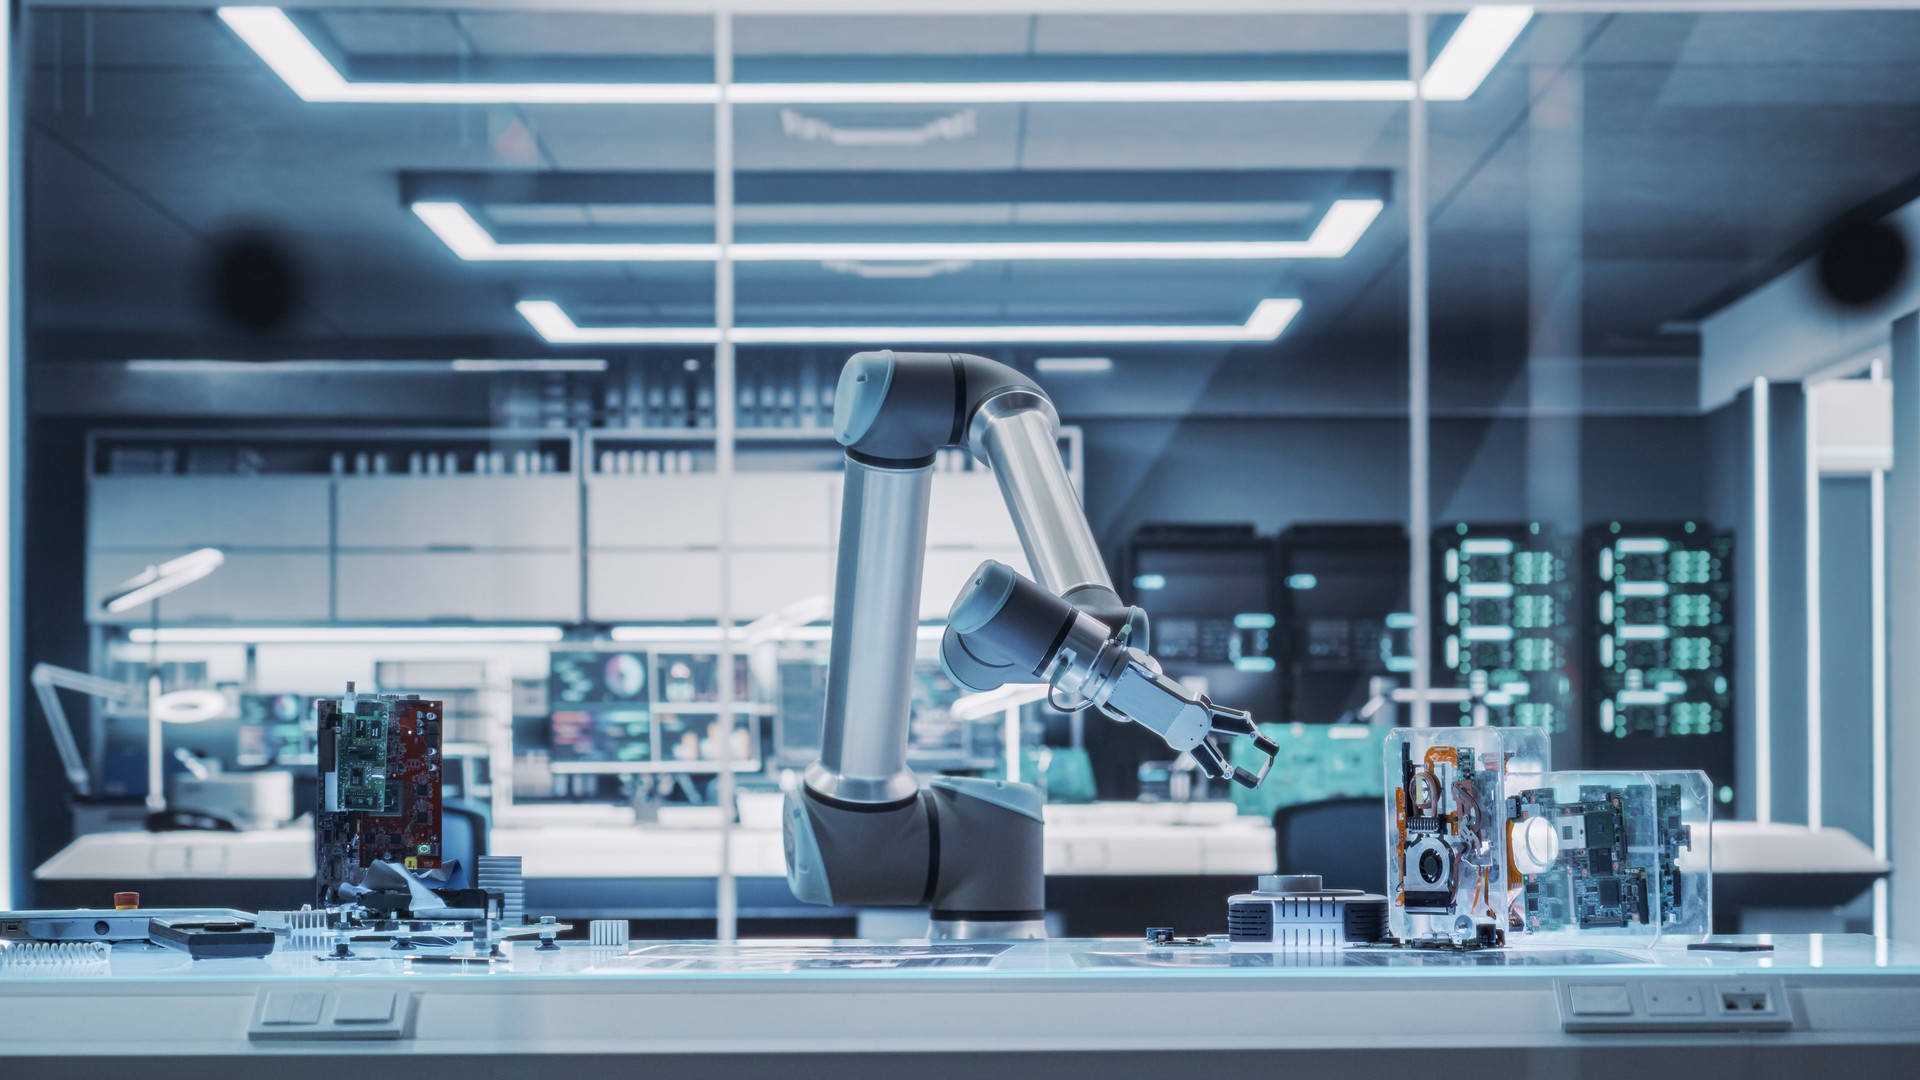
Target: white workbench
1827 1006
575 842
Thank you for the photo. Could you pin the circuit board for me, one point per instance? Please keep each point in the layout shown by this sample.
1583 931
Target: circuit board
1441 820
1659 679
1504 631
1601 881
379 787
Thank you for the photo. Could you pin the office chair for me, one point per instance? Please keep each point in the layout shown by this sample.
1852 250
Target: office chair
1342 840
463 836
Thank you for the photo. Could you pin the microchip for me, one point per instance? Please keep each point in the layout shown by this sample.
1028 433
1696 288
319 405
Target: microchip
1602 828
1607 891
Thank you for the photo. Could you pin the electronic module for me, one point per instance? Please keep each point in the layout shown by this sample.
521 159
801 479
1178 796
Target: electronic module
380 783
1486 845
1613 855
1447 876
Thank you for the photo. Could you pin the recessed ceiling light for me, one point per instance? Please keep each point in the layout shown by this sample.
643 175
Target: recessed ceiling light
1480 41
1269 318
1339 229
1073 365
322 635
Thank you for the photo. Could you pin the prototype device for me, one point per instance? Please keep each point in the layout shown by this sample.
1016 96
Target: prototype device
860 830
1297 911
96 924
1613 855
1486 844
379 788
1447 873
211 939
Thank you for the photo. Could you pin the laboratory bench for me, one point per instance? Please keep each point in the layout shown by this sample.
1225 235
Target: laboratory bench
1112 868
1063 1008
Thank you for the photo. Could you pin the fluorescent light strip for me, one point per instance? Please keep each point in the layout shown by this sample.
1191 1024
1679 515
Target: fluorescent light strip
331 635
1481 40
675 635
1339 229
1877 668
1073 365
358 367
1815 765
1269 318
1762 608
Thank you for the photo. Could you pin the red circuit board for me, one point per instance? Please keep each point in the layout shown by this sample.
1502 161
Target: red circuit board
379 788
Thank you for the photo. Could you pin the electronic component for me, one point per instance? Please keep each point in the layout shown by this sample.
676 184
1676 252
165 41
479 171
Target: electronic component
1447 873
94 924
1624 854
379 788
1296 911
1659 679
1504 630
211 939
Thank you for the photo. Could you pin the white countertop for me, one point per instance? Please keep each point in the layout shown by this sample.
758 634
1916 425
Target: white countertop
603 842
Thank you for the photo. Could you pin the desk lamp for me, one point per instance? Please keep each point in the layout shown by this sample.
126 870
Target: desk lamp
178 707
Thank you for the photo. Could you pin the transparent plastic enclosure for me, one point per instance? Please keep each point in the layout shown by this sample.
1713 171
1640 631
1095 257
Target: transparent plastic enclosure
1448 879
1615 855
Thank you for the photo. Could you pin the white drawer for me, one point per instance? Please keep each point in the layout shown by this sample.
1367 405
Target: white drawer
150 512
480 586
459 512
249 587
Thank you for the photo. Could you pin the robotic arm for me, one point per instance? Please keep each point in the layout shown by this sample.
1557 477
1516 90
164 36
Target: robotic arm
861 830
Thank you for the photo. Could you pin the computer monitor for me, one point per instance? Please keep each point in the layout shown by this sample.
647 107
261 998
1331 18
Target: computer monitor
602 736
275 729
586 679
644 711
936 740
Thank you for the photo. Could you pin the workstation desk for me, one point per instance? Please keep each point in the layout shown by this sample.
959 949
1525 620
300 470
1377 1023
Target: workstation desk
1064 1008
1130 863
1114 868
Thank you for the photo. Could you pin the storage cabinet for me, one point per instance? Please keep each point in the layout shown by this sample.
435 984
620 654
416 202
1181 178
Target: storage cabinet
305 543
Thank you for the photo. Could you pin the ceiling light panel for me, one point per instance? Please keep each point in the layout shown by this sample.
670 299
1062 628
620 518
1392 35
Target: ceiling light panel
1269 318
1345 221
1481 40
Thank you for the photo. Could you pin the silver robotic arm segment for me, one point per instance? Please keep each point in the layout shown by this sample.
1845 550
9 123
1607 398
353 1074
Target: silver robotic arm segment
861 831
1005 628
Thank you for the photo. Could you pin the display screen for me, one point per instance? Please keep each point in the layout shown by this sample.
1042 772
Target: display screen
609 735
642 711
1660 649
589 678
275 729
1344 633
936 739
1506 616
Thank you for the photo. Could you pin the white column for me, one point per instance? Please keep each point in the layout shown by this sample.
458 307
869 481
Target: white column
726 900
1902 492
1419 514
10 467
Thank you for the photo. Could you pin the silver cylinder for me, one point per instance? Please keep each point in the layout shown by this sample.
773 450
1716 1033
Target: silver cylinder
1016 433
876 613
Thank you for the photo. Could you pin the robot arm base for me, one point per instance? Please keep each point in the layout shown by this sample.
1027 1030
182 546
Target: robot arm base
971 850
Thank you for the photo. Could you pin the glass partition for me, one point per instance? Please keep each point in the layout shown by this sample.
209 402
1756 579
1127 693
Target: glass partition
1430 367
